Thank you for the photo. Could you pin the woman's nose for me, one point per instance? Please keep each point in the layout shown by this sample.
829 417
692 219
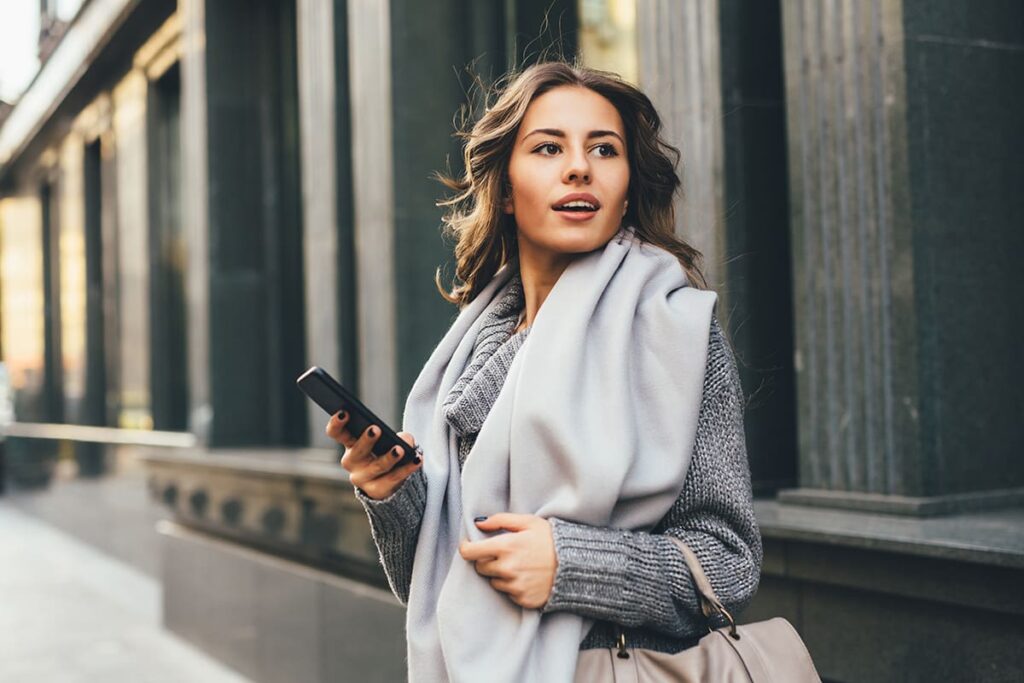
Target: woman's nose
577 169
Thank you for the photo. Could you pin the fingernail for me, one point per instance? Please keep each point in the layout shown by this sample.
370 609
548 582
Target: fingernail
480 519
373 431
418 460
342 415
396 451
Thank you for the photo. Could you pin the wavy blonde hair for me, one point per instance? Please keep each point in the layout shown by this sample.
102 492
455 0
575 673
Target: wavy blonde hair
486 236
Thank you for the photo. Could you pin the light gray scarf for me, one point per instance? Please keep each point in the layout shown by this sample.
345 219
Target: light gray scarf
595 423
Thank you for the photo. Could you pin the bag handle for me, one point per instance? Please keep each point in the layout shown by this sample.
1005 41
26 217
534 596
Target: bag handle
709 602
710 605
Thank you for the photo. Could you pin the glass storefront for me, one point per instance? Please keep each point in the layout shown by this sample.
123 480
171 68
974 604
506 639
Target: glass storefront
21 302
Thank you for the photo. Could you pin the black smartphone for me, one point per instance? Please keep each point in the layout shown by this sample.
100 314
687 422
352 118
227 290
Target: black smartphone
328 393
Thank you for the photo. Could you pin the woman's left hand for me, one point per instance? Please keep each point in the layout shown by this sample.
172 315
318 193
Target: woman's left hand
520 563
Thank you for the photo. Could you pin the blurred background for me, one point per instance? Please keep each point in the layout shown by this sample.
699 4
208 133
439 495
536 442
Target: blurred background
199 199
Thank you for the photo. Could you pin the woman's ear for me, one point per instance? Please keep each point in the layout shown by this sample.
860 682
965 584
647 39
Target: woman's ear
506 203
625 208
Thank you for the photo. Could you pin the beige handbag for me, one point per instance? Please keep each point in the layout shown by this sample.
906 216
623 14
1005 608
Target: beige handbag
768 651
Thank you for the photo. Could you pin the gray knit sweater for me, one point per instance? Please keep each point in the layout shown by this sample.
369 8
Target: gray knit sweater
631 581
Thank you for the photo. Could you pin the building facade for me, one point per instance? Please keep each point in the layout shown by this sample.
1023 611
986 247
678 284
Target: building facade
200 199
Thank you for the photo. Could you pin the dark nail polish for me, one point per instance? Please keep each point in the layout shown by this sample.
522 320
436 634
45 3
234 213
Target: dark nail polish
373 431
480 519
342 415
418 460
396 451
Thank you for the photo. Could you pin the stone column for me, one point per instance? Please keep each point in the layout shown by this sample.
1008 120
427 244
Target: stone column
195 201
680 70
329 257
714 72
132 159
406 86
369 43
901 115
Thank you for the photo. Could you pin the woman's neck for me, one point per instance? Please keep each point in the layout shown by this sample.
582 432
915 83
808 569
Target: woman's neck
539 271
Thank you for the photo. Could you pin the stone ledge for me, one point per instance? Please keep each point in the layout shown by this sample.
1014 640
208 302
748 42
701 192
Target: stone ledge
918 506
872 615
994 537
300 463
883 598
293 503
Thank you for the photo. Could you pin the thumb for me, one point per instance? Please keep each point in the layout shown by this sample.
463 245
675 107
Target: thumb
505 520
407 437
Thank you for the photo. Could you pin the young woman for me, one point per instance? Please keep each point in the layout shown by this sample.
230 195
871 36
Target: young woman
583 406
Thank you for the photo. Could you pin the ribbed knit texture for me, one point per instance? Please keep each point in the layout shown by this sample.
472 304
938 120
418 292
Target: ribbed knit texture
470 400
634 581
395 524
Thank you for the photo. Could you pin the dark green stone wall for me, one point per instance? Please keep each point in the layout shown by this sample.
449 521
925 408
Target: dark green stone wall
964 111
255 248
426 92
758 274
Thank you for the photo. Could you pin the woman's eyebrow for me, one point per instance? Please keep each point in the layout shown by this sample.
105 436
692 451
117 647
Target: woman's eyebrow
554 132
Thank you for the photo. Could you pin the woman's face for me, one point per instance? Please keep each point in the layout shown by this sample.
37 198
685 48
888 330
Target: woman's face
569 173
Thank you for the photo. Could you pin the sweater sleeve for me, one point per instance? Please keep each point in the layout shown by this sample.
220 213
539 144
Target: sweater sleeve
639 579
395 523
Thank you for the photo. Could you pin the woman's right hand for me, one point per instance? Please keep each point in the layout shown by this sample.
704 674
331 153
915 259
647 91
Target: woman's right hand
376 476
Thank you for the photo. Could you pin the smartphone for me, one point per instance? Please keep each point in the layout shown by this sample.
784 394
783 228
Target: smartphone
328 393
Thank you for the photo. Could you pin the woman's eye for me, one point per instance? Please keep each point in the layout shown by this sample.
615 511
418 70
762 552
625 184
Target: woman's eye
548 148
606 150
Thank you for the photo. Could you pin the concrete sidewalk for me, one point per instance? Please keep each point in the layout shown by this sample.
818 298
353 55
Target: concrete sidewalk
71 614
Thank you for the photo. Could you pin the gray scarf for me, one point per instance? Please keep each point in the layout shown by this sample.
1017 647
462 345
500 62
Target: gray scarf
595 423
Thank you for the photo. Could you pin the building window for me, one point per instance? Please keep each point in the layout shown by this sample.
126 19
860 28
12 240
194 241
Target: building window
167 314
607 38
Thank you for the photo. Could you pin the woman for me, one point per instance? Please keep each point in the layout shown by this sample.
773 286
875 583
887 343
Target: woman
583 406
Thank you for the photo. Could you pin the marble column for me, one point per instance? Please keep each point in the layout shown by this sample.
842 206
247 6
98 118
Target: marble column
329 258
407 80
129 121
680 69
714 72
195 204
370 45
900 118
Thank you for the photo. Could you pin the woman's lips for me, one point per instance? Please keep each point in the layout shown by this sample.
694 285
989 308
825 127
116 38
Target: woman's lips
577 206
577 216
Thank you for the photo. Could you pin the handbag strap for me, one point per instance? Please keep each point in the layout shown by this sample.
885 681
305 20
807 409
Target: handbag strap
709 602
710 605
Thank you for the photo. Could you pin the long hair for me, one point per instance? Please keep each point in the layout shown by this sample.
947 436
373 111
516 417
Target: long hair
486 236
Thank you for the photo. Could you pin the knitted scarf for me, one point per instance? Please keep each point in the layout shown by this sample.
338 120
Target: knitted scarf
595 423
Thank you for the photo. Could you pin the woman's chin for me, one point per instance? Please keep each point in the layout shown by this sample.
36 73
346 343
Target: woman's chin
579 239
